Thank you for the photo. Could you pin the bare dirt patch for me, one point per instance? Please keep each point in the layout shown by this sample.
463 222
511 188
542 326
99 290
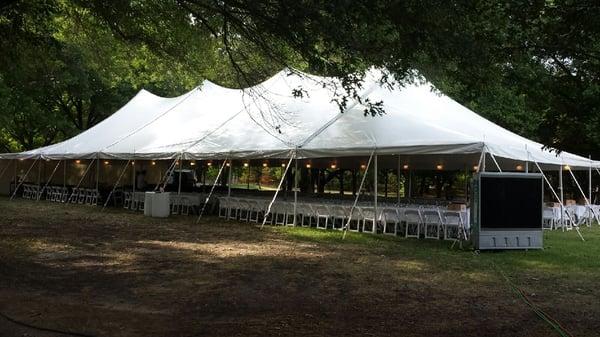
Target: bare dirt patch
121 274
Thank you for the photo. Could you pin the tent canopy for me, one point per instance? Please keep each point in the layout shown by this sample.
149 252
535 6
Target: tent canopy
268 121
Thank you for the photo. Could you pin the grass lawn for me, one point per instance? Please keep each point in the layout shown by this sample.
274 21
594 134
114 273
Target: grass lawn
118 273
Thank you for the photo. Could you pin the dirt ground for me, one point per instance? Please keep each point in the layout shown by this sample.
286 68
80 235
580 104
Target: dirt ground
117 273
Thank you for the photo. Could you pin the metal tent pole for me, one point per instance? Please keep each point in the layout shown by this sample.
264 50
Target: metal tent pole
133 178
296 176
65 174
180 174
527 162
97 171
229 178
590 179
375 195
409 183
562 201
398 182
16 164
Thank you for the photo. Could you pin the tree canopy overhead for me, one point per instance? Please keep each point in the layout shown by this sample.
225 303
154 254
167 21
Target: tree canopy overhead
531 66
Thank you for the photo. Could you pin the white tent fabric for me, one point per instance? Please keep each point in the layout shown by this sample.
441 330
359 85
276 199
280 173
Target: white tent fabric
267 121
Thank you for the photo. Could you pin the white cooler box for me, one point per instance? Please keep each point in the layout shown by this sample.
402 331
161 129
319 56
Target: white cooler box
161 207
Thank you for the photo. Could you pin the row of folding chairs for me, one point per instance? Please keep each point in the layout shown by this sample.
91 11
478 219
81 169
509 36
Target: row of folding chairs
434 223
180 205
57 193
134 201
87 196
552 219
31 191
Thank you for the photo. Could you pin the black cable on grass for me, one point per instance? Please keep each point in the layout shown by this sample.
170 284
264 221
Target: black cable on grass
561 330
27 325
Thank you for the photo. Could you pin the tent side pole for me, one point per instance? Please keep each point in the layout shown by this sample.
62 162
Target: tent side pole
483 157
296 176
23 179
39 180
409 183
375 195
398 182
590 180
133 178
230 167
15 177
97 171
560 187
527 162
180 174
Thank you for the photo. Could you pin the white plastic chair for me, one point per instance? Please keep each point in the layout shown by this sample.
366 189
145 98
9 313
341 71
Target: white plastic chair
413 223
452 225
432 222
391 220
323 213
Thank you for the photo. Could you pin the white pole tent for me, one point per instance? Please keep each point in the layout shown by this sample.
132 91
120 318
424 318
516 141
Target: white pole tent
267 121
420 129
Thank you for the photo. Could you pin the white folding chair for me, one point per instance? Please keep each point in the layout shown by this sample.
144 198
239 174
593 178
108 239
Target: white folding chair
548 219
339 215
243 210
323 213
223 207
234 208
127 199
391 220
369 224
452 225
432 222
413 223
355 219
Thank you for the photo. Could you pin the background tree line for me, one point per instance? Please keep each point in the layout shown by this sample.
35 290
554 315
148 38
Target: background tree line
529 65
